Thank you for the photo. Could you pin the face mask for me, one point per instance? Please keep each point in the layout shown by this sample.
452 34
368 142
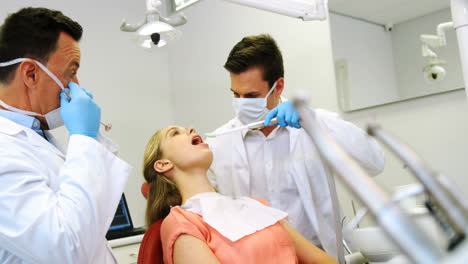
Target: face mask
250 110
53 118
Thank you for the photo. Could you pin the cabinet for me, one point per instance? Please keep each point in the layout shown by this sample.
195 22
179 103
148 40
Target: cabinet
126 249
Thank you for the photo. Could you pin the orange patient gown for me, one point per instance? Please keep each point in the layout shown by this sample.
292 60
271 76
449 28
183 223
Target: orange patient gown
269 245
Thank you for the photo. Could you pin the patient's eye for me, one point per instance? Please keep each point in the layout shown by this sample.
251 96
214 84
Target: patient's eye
173 132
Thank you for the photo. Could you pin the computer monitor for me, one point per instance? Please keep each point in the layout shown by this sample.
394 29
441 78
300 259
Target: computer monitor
122 225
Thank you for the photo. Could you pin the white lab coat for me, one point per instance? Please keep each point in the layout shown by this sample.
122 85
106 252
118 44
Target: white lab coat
230 175
56 208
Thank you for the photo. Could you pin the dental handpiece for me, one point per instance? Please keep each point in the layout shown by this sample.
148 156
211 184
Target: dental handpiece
261 124
252 126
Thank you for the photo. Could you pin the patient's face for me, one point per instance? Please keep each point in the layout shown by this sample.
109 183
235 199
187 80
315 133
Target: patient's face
185 148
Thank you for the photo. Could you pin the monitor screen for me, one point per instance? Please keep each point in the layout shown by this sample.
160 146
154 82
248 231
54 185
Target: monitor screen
122 218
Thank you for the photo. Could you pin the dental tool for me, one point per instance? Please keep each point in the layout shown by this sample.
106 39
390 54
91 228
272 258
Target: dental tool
107 127
252 126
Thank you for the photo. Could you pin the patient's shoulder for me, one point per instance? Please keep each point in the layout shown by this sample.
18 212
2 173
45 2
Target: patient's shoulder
180 221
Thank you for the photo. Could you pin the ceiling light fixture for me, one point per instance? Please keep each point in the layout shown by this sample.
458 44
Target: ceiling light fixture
155 30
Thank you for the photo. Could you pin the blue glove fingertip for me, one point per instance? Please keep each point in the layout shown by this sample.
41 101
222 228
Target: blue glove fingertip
295 120
295 124
267 121
280 118
73 85
74 89
88 93
270 116
64 98
288 119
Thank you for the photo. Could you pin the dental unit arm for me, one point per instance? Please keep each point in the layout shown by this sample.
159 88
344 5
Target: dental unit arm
442 199
409 237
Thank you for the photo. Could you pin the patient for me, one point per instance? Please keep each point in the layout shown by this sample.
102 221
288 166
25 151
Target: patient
202 226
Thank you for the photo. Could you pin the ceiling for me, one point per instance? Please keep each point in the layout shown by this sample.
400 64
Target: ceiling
386 11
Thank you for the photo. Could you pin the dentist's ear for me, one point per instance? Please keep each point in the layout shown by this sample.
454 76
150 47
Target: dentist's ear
29 73
163 166
279 87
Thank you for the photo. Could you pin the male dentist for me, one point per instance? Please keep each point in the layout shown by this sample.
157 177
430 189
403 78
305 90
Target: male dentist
55 206
280 163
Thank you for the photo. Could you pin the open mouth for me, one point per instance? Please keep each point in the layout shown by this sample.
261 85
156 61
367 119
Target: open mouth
196 139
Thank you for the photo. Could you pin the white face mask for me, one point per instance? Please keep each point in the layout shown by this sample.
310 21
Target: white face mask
53 118
250 110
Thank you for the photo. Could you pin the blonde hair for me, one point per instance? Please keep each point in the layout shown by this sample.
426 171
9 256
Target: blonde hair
162 193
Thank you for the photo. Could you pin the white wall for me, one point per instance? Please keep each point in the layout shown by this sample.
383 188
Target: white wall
131 85
201 86
367 50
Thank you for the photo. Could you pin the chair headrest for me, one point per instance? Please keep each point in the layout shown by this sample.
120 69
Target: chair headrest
145 189
151 245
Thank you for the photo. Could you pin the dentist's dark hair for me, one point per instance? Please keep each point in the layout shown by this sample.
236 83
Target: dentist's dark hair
33 32
162 193
257 51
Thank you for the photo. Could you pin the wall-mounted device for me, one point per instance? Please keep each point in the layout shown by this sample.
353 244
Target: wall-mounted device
433 70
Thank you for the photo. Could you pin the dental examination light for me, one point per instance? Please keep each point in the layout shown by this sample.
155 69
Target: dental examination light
433 71
155 30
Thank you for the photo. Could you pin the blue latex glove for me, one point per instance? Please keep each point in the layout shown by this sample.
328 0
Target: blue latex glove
88 92
286 115
80 114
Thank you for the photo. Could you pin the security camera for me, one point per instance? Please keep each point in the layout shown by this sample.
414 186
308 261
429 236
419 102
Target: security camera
434 73
388 27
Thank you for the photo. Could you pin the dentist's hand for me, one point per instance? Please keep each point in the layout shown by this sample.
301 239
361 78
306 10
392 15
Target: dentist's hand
80 114
286 115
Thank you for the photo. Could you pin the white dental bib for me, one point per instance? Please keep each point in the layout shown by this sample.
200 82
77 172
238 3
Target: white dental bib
233 218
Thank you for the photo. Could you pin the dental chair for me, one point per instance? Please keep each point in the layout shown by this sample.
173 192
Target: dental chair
151 245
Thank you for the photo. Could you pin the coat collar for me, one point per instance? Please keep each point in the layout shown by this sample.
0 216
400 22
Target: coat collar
294 135
238 141
11 128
